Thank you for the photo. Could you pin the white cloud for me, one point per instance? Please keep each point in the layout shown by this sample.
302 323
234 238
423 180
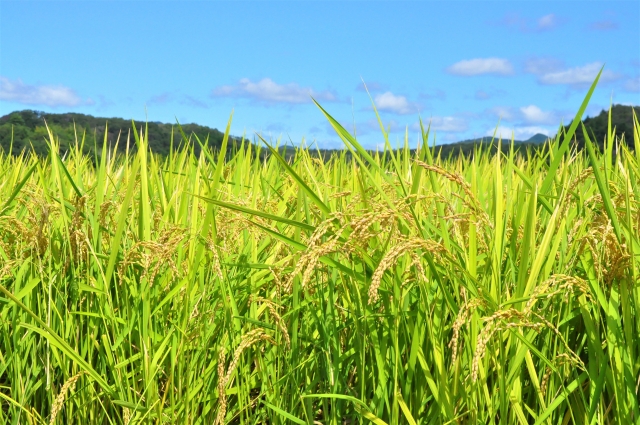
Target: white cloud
104 103
223 91
277 127
603 25
267 90
480 66
632 85
392 126
372 126
547 22
447 124
448 137
488 94
388 101
519 133
502 112
161 98
452 124
435 94
530 114
482 95
528 25
580 75
542 65
192 101
166 97
372 86
352 127
514 20
534 115
19 92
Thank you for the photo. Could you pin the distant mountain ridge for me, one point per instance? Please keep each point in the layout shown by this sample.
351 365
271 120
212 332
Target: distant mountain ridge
28 130
621 120
536 138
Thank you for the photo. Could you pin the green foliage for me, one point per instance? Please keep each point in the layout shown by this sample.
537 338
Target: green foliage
621 119
395 288
29 131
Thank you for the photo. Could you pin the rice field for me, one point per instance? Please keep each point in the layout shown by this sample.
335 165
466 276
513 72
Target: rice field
396 287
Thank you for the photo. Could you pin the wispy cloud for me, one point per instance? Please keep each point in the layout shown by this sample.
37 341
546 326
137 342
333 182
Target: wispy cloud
519 133
267 90
277 127
186 100
482 95
534 115
372 86
632 85
194 102
552 71
525 115
446 124
488 94
603 25
452 124
547 22
104 103
392 126
501 112
542 65
397 104
479 66
435 94
27 94
580 75
528 25
345 123
161 99
514 20
448 138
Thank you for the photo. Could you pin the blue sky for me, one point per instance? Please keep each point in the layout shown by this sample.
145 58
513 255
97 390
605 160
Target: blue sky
461 65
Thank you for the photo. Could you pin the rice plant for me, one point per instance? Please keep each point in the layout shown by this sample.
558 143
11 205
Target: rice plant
396 287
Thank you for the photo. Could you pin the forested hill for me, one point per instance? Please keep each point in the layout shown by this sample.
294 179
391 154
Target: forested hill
621 119
29 129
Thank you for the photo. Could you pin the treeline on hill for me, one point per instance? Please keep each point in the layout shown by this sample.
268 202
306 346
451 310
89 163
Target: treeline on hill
467 147
621 120
27 130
